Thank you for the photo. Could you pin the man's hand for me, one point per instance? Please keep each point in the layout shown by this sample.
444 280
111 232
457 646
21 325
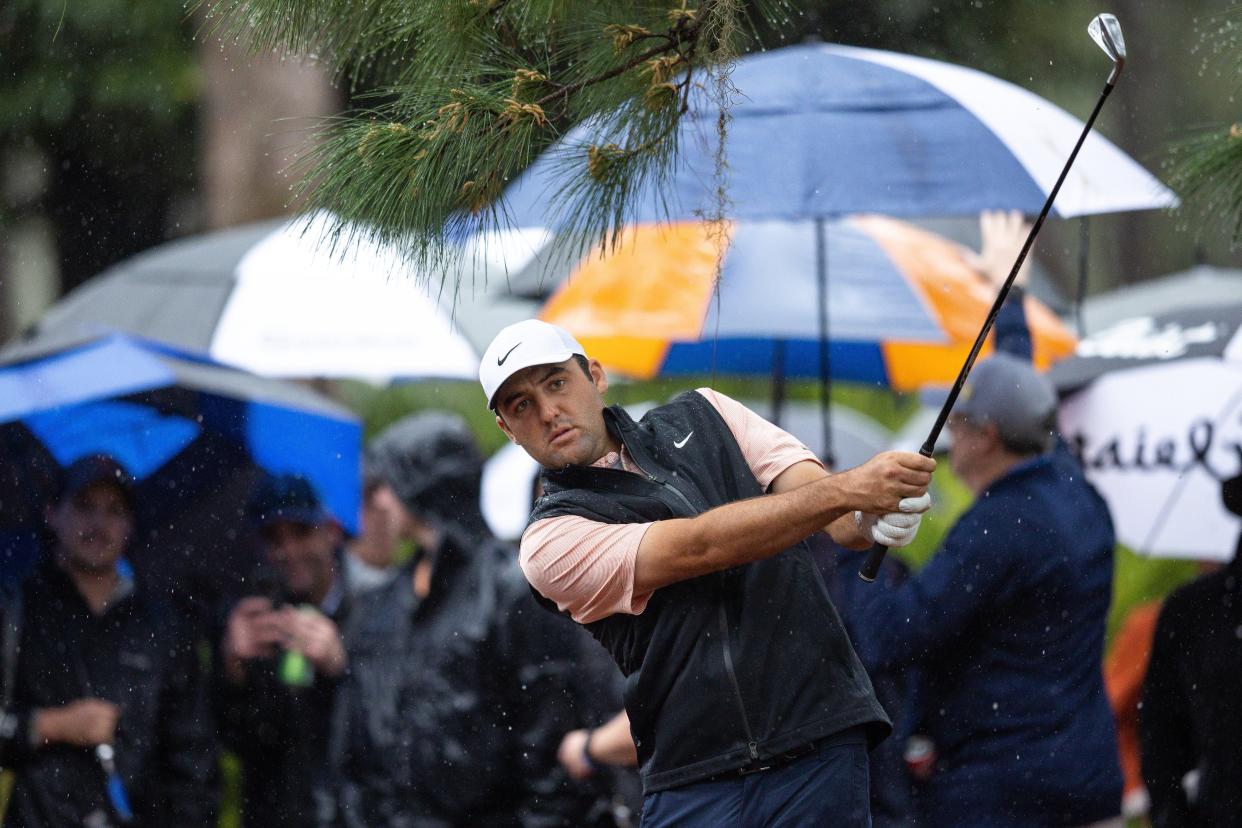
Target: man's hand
879 486
895 529
83 723
572 755
311 633
254 631
1003 235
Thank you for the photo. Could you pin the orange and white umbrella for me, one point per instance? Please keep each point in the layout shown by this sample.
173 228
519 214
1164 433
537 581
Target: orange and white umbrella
903 304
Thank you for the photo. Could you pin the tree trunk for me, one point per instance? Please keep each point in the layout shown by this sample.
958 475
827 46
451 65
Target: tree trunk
259 116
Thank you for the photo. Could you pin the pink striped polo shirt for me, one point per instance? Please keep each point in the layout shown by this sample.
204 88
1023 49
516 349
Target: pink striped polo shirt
587 567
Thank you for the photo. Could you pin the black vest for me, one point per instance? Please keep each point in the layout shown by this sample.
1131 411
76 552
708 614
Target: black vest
730 669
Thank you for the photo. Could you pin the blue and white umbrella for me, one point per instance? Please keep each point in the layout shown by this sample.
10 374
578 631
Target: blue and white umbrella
191 431
821 130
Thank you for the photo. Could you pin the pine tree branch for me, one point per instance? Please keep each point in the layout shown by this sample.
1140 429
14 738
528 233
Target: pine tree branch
468 94
569 89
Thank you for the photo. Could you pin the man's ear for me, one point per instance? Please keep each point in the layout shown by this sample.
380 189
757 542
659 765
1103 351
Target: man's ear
500 423
599 376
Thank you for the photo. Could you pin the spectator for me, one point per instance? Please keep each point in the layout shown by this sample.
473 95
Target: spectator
281 657
1190 724
369 555
1125 669
599 753
104 716
1007 622
459 685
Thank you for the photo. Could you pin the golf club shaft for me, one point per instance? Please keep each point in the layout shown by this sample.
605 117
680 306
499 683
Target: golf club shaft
875 557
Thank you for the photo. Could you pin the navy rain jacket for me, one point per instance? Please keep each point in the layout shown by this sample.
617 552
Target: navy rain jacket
1007 621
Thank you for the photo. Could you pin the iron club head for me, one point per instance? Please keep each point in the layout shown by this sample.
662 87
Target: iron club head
1106 32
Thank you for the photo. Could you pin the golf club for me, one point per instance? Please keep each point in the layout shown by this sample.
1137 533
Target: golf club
1106 32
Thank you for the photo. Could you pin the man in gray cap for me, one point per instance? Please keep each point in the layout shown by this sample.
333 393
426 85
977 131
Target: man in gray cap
1006 623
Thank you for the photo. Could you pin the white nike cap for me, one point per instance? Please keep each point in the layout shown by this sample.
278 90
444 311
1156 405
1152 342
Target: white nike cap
521 345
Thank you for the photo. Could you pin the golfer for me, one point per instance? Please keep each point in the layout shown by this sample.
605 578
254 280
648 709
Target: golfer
678 542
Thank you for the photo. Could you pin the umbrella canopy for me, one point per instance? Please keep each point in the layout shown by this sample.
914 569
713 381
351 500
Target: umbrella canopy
286 299
821 130
1198 287
1155 412
904 306
179 423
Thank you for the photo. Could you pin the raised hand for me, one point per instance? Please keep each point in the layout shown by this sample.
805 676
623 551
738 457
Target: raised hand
1003 234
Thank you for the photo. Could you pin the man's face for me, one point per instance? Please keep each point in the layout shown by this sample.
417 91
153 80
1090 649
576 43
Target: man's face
971 443
400 521
92 527
556 413
379 524
303 555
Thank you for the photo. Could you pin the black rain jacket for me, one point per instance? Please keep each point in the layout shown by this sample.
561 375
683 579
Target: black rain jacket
280 735
453 706
137 656
1190 718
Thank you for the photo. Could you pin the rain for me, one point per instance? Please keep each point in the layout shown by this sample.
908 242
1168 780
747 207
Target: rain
552 413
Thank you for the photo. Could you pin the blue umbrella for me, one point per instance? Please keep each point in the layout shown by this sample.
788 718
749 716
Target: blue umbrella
194 433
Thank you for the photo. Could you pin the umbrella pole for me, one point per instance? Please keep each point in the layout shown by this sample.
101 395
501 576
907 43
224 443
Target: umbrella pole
778 381
1084 257
825 369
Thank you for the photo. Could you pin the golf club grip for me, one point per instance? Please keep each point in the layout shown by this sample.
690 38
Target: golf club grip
875 559
875 556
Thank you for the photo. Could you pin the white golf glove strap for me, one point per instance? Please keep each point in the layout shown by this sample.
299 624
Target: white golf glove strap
895 529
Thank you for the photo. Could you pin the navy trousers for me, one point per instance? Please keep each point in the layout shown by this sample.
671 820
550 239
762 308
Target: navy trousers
826 787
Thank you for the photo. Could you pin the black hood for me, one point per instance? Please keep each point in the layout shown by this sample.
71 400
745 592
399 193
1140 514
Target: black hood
434 465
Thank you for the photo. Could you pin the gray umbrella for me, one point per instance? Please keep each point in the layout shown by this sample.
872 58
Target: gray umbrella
173 293
1199 287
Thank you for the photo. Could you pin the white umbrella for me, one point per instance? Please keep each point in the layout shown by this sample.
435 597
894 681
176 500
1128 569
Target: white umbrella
1158 426
301 308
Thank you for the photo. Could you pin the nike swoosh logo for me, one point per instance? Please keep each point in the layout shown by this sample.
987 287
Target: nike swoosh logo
683 440
501 360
